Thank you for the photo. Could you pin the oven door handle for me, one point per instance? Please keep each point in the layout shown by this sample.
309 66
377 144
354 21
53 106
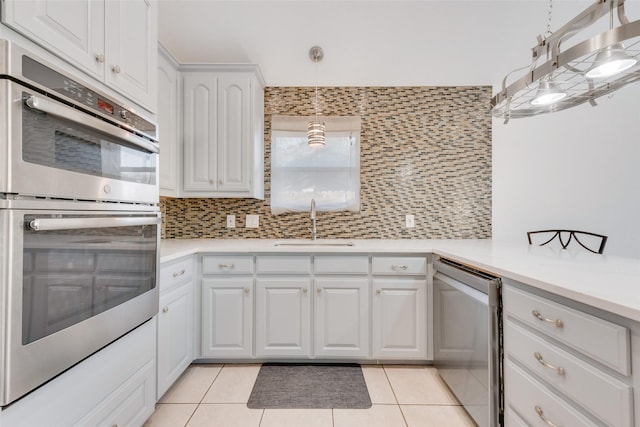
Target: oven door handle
50 224
62 111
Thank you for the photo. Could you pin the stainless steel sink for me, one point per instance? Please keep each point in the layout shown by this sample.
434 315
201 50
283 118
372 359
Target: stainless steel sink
316 244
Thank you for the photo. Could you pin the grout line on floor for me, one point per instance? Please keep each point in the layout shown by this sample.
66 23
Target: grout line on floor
390 385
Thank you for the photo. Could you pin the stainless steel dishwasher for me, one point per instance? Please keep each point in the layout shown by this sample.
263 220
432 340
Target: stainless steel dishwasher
468 338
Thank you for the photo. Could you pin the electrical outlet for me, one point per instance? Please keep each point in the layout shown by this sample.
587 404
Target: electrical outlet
252 221
231 221
410 221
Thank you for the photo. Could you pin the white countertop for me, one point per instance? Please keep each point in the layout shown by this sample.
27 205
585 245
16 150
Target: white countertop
606 282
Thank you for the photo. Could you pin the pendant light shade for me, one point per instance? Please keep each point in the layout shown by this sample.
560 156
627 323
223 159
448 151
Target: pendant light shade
316 129
315 134
548 93
610 61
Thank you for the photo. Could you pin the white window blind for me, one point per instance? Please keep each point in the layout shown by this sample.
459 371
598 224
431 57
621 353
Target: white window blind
329 174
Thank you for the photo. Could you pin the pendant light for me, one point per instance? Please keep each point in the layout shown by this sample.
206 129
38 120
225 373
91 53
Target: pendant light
548 92
610 61
315 128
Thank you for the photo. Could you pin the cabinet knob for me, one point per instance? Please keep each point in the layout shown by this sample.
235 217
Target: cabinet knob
165 309
319 290
211 181
220 182
305 290
246 290
100 58
116 69
378 291
179 273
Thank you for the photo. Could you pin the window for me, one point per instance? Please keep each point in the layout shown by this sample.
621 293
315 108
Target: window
329 174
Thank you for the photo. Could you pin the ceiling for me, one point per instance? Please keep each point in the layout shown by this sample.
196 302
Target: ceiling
366 43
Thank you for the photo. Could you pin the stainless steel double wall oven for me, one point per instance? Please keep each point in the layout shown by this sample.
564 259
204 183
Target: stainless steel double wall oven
79 221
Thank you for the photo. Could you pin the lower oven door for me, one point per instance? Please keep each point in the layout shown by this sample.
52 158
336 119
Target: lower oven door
72 282
466 341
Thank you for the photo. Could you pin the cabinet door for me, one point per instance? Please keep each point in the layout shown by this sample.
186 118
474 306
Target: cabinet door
399 320
227 315
283 316
234 133
71 29
342 317
168 125
200 131
131 42
175 335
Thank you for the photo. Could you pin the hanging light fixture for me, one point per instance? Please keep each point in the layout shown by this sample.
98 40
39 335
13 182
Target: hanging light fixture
315 128
548 92
583 71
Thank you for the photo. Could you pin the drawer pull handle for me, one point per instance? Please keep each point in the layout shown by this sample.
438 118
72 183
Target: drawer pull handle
399 267
540 317
179 273
543 418
540 359
223 266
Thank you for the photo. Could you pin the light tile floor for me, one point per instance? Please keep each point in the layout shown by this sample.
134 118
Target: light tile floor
217 395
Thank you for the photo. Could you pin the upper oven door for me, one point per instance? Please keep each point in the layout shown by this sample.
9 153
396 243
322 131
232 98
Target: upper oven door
51 149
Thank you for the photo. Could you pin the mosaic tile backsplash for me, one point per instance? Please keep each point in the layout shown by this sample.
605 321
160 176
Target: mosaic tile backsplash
425 151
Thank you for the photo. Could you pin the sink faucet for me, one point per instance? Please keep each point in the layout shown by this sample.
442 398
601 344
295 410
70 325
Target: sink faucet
313 219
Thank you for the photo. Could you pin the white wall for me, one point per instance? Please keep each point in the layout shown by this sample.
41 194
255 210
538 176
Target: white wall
576 169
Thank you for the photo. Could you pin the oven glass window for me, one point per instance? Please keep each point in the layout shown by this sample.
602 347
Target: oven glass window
72 275
51 141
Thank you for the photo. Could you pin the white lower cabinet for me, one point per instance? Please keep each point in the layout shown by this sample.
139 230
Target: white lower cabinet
568 365
227 317
399 318
175 335
176 321
305 306
283 315
341 323
114 387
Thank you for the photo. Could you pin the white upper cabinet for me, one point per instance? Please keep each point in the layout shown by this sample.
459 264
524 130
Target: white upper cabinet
113 41
168 114
223 127
131 46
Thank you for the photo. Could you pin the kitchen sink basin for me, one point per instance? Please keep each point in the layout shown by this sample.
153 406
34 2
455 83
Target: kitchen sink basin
315 244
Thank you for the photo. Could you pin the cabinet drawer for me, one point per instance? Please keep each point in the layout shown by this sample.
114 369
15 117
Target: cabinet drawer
532 401
131 404
234 264
607 398
512 419
341 264
399 265
599 339
278 264
175 272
